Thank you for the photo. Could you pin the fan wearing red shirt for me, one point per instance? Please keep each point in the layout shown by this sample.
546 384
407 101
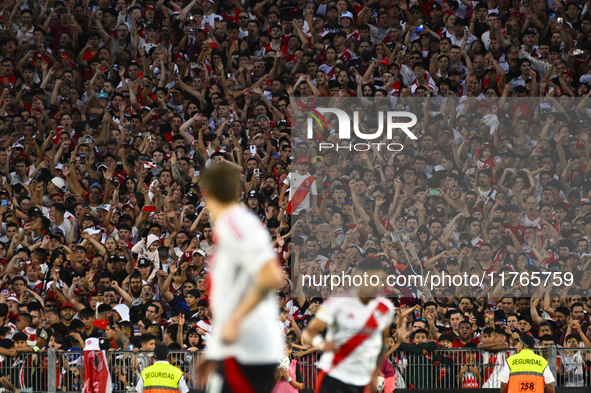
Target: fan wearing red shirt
110 161
425 6
232 10
339 42
7 73
175 124
65 26
91 49
493 79
276 43
514 225
465 335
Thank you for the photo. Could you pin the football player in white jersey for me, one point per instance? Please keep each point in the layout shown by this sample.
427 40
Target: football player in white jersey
245 344
356 328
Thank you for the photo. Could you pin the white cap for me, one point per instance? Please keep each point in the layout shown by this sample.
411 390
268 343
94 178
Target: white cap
438 168
92 231
204 325
105 207
59 167
14 298
92 344
347 14
87 139
59 183
126 24
123 311
200 252
31 333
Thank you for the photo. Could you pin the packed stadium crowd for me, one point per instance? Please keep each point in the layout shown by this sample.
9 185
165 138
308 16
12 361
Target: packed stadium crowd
110 110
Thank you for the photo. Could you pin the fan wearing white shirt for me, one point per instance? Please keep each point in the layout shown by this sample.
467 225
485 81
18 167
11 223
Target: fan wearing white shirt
209 17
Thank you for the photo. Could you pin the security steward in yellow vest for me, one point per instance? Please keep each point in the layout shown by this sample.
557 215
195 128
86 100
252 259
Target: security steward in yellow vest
526 372
161 377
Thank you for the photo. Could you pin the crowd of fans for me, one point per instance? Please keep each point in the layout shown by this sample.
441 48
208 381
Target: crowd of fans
111 109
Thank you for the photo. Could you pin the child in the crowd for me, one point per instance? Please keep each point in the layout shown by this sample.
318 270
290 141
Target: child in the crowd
396 358
55 342
143 360
444 361
469 376
24 366
572 362
493 352
290 378
148 248
9 378
419 371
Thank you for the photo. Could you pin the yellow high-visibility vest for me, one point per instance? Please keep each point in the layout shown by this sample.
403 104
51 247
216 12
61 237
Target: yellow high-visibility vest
161 377
526 372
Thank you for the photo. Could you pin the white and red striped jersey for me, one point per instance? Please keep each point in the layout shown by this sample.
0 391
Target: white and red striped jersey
36 287
294 180
431 85
527 222
354 34
493 362
242 248
347 317
328 70
344 55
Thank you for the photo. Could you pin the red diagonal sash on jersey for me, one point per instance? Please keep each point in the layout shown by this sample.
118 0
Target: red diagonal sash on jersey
347 348
300 194
500 255
236 378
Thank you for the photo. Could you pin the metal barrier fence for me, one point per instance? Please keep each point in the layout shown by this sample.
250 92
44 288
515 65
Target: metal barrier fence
460 368
32 372
308 363
438 369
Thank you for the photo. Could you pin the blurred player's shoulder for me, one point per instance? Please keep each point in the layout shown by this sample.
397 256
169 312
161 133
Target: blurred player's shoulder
347 301
239 224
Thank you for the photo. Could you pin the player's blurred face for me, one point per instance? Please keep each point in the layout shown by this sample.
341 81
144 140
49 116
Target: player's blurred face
371 285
